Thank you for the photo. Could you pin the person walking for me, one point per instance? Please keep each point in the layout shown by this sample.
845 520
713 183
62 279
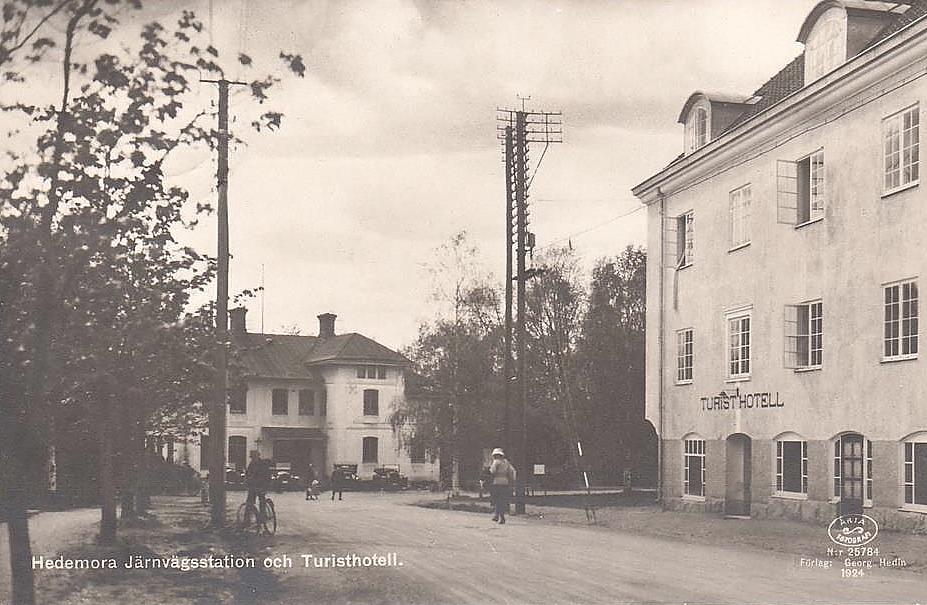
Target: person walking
503 478
337 482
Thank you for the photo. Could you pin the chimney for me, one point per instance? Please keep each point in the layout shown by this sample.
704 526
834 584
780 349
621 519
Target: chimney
326 325
237 317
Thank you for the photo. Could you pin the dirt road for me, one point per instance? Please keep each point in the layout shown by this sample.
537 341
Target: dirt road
459 557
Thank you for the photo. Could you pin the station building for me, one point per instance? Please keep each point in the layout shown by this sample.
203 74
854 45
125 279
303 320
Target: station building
320 400
786 245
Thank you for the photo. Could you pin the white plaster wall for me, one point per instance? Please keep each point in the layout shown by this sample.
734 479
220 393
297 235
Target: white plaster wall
864 241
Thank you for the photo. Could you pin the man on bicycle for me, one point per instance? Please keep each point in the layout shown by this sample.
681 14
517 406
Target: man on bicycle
257 479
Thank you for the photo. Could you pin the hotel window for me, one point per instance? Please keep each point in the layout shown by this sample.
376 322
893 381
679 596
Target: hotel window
684 355
853 469
694 467
279 402
915 471
738 333
792 467
371 402
697 131
804 335
306 402
826 44
685 225
900 332
370 447
740 217
901 149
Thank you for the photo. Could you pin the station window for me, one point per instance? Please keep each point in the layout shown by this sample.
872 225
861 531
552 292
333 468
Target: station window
306 402
371 402
280 402
370 447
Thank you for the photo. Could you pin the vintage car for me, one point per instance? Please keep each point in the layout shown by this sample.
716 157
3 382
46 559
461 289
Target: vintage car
284 479
388 477
348 473
234 478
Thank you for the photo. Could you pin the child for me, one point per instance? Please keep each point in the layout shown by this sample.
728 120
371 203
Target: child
312 492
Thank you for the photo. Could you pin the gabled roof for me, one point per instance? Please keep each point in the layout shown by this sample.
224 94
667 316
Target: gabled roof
286 356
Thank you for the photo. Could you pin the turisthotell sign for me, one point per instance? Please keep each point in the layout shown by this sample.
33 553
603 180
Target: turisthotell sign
736 401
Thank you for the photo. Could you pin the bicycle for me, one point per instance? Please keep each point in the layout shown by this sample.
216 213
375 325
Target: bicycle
250 519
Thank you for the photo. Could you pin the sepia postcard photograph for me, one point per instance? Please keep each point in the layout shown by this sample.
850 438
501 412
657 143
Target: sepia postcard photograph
522 302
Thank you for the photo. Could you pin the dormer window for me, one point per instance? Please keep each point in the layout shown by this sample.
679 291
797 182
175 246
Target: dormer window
697 131
826 44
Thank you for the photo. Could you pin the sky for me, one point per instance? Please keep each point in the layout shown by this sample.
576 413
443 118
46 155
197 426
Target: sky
388 146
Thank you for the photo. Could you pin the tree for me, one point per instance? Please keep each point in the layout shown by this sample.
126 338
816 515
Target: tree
611 351
452 403
555 307
90 273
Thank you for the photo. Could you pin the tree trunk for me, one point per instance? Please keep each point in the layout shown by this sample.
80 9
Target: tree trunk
14 509
455 473
107 472
142 495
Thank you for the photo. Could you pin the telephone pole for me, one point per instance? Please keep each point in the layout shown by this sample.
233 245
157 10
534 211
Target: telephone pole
217 411
519 128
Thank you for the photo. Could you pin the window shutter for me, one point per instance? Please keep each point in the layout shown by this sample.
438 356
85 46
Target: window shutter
790 337
786 192
670 244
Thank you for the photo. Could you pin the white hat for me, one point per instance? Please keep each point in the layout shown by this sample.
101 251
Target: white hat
498 452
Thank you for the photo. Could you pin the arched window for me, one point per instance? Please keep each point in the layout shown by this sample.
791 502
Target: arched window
791 465
826 45
852 472
915 471
693 478
697 127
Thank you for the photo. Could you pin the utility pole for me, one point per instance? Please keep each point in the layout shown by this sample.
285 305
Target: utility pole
510 235
217 411
520 128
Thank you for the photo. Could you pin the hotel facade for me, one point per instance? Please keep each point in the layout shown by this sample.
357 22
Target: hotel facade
786 248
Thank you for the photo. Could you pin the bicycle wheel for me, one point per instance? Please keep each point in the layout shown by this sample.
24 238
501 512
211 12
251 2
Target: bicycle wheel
246 518
270 517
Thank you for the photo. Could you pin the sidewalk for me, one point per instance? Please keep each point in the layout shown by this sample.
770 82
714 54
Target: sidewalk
638 515
175 530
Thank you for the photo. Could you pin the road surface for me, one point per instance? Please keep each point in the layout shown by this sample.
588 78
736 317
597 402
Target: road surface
460 557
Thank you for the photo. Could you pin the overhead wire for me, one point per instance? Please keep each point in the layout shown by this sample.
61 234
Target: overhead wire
569 238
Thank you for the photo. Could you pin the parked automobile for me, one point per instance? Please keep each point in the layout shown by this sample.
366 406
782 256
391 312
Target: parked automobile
388 477
284 479
234 478
349 475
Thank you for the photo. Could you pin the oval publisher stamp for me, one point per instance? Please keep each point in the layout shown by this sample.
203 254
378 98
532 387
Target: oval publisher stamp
853 530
